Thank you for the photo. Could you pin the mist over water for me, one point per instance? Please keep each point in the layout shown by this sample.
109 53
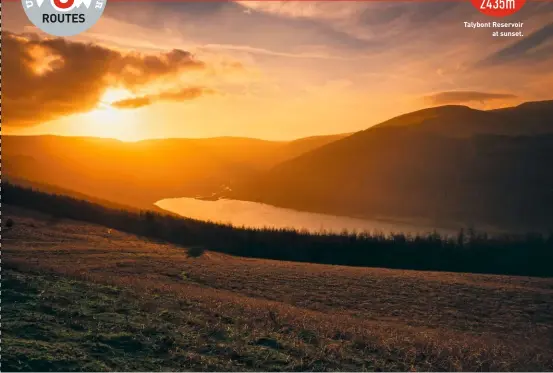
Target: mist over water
259 215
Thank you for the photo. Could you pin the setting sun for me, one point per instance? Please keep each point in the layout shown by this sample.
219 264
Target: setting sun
107 121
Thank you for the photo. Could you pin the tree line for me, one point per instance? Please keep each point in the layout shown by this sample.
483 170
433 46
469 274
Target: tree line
469 251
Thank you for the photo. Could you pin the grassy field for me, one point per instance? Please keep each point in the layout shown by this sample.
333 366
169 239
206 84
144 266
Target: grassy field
78 296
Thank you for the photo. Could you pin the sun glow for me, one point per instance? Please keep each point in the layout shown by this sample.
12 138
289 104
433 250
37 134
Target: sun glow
112 95
107 121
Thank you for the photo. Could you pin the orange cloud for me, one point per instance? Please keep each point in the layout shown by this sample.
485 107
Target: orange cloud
181 95
47 78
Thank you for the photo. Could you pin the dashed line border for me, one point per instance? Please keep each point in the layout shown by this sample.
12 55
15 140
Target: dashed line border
0 187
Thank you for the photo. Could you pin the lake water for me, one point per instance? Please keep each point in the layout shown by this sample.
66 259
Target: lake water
259 215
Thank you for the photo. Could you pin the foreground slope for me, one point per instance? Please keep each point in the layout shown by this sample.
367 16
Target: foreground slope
81 296
449 163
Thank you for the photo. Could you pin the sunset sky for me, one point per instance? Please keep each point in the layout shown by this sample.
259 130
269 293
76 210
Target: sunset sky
271 70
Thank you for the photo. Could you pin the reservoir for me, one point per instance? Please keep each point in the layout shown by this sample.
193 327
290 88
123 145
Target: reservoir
259 215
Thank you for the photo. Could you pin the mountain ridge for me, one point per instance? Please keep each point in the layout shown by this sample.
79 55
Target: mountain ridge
430 163
140 173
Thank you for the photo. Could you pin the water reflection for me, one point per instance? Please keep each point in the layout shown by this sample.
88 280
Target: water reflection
259 215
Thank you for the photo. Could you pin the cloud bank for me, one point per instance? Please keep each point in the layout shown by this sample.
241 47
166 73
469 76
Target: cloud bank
47 78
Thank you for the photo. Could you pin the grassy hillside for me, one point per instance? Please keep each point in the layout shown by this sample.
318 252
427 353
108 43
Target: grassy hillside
468 252
449 163
79 296
141 173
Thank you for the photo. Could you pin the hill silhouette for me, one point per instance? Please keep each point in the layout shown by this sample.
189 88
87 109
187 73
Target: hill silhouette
527 119
138 174
446 163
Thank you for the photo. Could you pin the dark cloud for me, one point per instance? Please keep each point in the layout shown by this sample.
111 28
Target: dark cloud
136 69
459 97
46 78
529 47
133 103
181 95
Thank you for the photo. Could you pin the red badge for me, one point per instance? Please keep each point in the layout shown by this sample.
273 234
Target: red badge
498 8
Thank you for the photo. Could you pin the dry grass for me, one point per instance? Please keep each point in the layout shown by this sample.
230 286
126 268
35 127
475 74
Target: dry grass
252 314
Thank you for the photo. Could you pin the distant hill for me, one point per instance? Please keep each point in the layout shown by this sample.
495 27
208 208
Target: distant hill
531 118
298 147
445 163
140 173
